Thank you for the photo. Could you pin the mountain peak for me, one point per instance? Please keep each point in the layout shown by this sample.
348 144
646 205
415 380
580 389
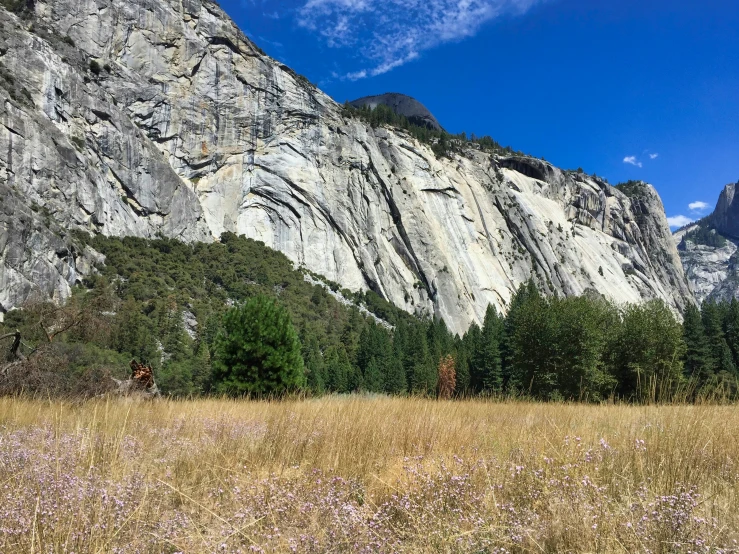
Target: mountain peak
401 104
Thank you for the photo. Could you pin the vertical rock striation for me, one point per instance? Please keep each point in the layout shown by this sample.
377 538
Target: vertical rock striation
713 271
159 116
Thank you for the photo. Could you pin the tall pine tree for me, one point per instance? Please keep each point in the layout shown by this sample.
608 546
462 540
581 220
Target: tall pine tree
486 373
697 364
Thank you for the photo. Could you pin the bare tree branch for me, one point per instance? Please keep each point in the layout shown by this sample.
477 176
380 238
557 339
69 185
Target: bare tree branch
14 353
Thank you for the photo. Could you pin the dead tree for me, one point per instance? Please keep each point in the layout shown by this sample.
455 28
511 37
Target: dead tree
14 353
447 378
14 356
140 384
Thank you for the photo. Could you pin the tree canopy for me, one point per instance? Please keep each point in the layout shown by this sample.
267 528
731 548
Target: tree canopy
257 351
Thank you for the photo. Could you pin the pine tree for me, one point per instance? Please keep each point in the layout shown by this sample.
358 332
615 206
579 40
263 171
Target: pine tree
512 376
373 377
528 342
440 340
472 341
462 387
714 332
201 369
423 375
731 329
373 357
395 382
726 366
367 346
134 334
486 361
355 378
258 351
337 369
581 328
176 375
696 349
315 368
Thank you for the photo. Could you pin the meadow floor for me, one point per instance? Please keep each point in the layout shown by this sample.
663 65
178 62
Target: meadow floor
366 475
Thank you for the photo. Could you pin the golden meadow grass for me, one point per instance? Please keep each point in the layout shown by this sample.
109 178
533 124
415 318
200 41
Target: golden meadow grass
366 475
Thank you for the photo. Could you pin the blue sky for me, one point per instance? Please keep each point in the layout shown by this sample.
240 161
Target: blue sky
626 89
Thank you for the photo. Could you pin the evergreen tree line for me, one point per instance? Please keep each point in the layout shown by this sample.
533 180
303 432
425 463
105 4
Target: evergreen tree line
579 348
177 306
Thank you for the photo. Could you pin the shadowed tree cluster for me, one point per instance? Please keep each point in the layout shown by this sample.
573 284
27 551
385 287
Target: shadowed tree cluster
441 142
236 317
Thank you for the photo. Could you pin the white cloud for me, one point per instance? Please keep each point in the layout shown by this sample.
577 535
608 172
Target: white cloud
632 160
355 76
653 156
698 206
391 33
679 221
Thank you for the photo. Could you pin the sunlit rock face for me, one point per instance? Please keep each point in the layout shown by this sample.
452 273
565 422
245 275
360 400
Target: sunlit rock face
713 271
147 117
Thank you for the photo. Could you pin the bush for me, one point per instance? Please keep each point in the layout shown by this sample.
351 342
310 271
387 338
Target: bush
632 188
61 370
258 351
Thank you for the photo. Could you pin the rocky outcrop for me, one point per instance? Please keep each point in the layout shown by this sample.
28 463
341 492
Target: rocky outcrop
39 258
401 104
725 218
159 116
713 271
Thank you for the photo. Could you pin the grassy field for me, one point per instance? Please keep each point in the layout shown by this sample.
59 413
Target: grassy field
366 475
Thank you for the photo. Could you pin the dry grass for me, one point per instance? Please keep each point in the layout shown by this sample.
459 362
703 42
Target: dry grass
366 475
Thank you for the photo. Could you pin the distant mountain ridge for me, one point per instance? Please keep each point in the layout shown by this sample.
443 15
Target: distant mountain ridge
401 104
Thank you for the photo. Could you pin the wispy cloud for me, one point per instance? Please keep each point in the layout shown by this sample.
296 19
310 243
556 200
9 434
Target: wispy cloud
391 33
633 160
698 206
678 221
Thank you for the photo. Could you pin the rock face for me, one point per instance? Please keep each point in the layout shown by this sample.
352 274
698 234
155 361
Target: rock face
141 117
713 271
725 218
402 105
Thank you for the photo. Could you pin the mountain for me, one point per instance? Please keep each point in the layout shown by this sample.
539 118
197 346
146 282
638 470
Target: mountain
160 118
401 104
708 250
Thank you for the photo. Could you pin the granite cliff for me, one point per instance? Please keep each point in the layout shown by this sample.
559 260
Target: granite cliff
149 117
712 266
